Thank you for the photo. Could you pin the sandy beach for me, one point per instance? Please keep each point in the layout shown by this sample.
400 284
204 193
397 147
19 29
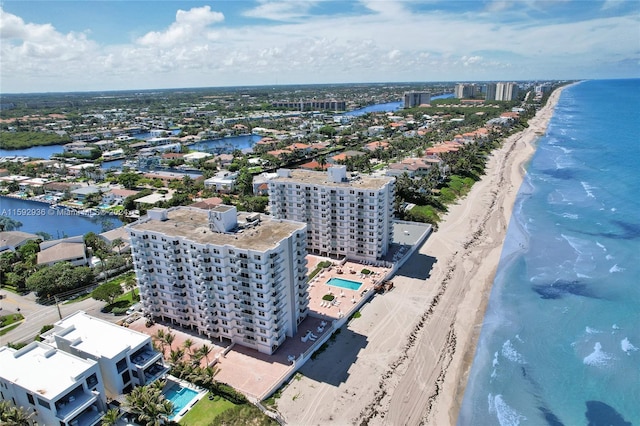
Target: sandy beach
406 360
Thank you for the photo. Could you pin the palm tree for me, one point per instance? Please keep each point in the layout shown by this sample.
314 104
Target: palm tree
117 243
149 404
169 338
130 284
111 417
176 356
205 351
187 345
11 415
159 336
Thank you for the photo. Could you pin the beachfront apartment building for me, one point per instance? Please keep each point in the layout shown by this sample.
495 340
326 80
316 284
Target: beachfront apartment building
223 274
57 387
348 215
126 358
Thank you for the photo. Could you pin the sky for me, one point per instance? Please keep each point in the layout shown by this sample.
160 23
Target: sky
89 45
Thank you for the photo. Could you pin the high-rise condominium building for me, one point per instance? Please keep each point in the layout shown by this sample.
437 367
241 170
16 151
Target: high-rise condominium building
413 99
347 216
465 90
240 277
506 91
490 92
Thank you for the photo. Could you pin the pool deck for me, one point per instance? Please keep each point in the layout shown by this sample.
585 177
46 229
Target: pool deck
254 373
174 381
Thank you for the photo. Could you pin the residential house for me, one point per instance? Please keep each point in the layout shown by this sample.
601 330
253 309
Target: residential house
12 240
126 358
59 388
72 250
223 181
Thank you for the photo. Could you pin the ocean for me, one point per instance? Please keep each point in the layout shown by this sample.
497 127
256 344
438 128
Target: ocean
561 336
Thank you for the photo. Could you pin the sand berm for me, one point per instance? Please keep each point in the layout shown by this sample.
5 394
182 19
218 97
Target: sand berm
406 360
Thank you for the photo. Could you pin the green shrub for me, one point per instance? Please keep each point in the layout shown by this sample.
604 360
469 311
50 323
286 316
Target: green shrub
365 271
46 328
328 297
119 311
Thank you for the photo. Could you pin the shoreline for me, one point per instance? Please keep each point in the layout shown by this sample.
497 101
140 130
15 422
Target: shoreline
421 338
520 149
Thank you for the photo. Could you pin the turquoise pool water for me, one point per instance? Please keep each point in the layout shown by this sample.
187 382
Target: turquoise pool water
180 397
342 283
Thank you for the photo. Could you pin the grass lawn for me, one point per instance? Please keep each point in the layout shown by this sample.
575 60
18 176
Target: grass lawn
203 413
8 329
10 319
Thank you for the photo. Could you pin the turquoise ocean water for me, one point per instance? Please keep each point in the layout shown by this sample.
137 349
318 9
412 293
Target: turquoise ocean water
560 339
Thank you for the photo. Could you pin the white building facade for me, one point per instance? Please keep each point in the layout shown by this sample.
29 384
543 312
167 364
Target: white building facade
506 91
126 358
59 388
347 216
240 277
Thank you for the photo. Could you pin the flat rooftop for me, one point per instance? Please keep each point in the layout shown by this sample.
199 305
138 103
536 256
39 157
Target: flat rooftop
96 336
193 224
42 369
322 178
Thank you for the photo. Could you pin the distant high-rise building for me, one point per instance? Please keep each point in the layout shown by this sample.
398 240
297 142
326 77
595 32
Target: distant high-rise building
302 105
506 91
223 274
490 92
465 90
413 99
347 216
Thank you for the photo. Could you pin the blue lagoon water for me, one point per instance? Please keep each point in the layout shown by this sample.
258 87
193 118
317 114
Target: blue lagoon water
59 223
559 343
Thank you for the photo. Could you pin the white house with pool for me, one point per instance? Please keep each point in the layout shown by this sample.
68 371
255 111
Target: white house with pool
57 387
126 357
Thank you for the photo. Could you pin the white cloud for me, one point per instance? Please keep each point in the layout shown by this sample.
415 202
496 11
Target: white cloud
612 4
389 45
280 10
188 24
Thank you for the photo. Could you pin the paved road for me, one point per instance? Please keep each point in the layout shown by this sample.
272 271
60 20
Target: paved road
38 315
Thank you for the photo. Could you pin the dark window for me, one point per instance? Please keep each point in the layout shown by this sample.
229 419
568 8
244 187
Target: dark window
121 365
44 403
126 378
30 398
92 380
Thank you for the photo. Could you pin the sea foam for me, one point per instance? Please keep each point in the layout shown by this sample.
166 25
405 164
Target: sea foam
627 347
615 268
510 353
506 415
597 358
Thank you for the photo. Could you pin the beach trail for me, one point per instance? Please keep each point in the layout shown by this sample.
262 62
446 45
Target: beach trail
405 361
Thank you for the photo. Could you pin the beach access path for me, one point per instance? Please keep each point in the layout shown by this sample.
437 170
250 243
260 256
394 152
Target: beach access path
406 360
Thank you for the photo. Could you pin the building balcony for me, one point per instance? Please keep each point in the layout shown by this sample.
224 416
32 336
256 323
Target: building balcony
74 404
144 358
155 372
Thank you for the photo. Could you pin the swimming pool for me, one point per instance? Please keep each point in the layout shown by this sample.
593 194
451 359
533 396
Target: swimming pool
342 283
180 397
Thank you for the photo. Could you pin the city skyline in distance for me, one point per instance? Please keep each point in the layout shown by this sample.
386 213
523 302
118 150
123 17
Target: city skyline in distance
112 45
